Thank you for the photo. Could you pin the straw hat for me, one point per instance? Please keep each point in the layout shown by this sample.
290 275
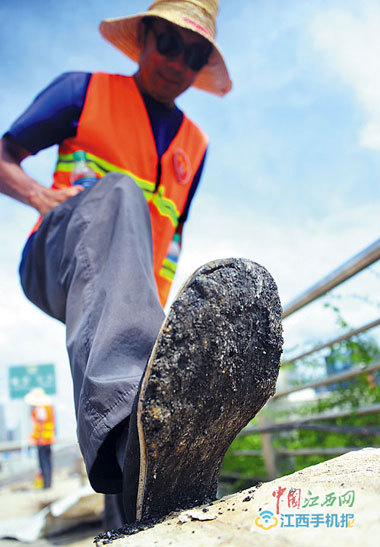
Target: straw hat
37 397
196 15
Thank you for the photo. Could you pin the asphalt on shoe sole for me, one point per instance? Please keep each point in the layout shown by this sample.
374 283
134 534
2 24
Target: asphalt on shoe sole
214 365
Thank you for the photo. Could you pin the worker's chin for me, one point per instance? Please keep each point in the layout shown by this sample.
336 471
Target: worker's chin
167 92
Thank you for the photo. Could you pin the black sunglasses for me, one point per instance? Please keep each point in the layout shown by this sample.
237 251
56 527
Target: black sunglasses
170 44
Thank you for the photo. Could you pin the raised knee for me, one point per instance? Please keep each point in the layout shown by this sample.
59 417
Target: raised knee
119 182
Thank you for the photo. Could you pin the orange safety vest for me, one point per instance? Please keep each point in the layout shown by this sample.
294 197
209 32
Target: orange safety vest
115 132
43 430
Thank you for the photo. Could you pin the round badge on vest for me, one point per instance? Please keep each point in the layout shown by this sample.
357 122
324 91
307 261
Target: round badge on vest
182 166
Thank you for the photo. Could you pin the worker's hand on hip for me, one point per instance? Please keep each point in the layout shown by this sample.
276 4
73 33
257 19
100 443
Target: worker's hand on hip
45 199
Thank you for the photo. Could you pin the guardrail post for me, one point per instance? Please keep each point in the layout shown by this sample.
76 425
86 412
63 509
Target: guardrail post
267 449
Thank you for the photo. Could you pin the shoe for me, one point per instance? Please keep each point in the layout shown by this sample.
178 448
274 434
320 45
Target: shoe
214 365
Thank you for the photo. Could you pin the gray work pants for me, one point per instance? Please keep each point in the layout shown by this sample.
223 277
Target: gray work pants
90 266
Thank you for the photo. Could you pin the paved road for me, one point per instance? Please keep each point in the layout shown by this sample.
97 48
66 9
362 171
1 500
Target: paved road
83 536
63 457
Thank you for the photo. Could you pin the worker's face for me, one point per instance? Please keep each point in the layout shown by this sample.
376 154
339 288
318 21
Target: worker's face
163 76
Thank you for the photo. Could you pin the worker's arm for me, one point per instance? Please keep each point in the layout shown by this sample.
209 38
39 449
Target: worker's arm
14 182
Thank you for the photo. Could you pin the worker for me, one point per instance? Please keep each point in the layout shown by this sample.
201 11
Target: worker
101 260
43 432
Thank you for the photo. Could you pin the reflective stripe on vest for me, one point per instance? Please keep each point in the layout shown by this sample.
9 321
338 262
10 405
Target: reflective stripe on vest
166 206
169 268
114 112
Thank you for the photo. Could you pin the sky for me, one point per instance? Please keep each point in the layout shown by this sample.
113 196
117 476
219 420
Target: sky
292 174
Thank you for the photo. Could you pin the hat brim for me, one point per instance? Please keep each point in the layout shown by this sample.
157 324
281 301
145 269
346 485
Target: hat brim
122 32
37 400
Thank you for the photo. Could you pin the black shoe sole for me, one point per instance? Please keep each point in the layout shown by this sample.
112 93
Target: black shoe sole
214 365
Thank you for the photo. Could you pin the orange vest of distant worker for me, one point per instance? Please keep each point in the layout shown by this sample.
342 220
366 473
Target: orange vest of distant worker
43 430
115 132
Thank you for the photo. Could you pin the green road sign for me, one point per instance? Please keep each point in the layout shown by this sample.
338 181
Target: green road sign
23 378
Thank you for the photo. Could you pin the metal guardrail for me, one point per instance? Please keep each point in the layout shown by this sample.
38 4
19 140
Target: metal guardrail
350 268
304 420
347 336
334 378
302 451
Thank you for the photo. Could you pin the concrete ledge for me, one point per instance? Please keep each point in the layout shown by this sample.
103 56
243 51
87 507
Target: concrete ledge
334 503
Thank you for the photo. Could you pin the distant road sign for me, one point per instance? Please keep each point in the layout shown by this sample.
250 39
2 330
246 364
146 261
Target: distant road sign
23 378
